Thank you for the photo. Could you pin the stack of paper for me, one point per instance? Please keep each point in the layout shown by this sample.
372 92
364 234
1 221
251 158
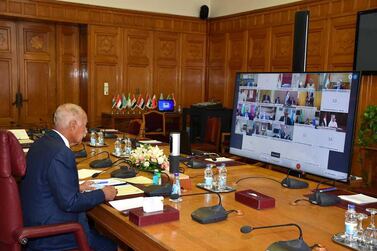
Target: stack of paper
126 204
128 189
358 199
86 173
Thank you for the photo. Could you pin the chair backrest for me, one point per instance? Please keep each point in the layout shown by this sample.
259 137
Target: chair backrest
12 164
154 123
213 131
135 127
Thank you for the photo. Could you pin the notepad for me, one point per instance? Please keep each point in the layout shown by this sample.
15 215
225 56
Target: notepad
128 189
86 173
138 180
359 199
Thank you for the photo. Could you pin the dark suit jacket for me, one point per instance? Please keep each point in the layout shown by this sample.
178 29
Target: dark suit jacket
50 191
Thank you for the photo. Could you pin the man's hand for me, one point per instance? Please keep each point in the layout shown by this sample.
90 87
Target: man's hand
86 186
110 192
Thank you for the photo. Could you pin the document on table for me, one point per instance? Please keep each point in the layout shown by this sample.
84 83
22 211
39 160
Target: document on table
138 180
220 159
128 189
86 173
22 136
152 141
359 199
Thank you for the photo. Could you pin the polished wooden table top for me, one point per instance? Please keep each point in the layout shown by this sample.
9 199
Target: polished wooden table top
318 223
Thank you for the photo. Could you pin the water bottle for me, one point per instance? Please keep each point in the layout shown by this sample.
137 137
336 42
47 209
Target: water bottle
118 147
208 177
156 177
128 146
176 188
350 224
100 138
93 138
222 177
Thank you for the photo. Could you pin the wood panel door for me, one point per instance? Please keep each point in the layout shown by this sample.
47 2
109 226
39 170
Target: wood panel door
138 61
37 73
68 89
166 63
193 69
216 67
106 62
8 73
259 42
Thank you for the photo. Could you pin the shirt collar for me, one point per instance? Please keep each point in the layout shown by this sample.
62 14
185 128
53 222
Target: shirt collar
66 142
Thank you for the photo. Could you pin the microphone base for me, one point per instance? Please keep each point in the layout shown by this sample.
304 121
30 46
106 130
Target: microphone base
205 215
294 184
292 245
324 199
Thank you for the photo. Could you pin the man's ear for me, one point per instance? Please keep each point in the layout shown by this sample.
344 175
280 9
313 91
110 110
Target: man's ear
73 124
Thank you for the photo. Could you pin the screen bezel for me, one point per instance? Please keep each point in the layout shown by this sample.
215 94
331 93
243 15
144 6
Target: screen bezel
359 14
352 132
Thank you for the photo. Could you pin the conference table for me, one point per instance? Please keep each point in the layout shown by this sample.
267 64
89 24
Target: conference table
318 223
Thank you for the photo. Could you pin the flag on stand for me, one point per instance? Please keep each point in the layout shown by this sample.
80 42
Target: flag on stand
124 101
119 102
161 96
148 101
129 100
140 102
168 97
113 102
154 102
173 98
133 102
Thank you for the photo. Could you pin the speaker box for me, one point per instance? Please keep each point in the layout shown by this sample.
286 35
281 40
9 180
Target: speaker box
204 10
300 42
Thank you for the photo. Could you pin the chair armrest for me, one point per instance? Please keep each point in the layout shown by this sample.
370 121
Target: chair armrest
54 229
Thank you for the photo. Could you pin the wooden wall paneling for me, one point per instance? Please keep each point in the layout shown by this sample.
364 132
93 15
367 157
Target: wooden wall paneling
317 46
216 67
8 73
138 72
259 44
37 73
281 47
68 89
166 63
236 62
106 61
342 43
193 51
83 76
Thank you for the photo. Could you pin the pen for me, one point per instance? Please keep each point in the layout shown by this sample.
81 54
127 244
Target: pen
328 189
101 182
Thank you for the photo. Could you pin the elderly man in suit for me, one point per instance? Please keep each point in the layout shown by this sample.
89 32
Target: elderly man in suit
50 191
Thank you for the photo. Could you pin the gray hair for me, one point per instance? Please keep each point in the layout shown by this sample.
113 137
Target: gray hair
65 113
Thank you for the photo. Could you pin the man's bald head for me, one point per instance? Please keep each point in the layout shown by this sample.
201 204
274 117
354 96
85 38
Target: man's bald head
70 120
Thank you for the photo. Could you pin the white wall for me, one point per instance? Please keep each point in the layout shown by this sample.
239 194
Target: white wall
176 7
187 7
227 7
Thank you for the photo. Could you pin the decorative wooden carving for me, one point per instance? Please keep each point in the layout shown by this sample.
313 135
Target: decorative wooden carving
36 41
106 45
4 39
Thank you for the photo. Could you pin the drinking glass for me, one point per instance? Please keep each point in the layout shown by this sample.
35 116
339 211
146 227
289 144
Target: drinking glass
370 233
360 231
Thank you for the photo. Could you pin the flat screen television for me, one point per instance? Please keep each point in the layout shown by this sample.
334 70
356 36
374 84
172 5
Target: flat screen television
296 120
365 58
165 105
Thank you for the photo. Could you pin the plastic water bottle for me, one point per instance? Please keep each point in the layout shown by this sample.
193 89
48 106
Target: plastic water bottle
100 138
93 138
128 146
208 177
176 188
350 224
118 147
222 177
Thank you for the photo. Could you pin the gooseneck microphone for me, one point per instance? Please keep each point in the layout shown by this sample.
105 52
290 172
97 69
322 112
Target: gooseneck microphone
256 177
293 183
291 245
81 153
320 198
99 163
206 215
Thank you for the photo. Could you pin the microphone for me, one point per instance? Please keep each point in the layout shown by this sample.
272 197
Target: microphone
99 163
206 215
115 163
125 171
291 245
293 183
159 190
322 199
81 153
